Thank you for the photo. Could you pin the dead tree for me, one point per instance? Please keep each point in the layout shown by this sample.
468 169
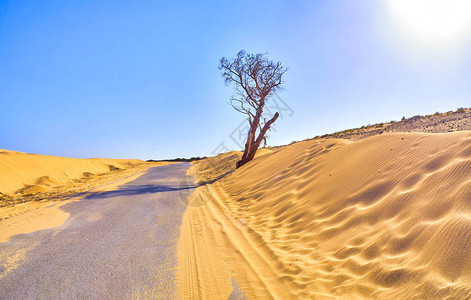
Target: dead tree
256 79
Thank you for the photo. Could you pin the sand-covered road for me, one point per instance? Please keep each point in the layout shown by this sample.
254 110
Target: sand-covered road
115 244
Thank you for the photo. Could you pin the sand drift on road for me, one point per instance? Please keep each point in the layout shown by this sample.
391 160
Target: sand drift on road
32 186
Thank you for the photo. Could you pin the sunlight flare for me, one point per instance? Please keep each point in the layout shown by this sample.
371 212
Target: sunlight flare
435 21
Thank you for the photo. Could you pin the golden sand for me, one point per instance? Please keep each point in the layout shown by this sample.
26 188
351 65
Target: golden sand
386 217
32 173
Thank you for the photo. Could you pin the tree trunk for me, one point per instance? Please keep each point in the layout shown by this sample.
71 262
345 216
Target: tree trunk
252 144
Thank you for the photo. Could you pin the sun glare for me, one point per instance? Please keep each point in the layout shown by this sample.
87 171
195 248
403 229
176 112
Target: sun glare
436 21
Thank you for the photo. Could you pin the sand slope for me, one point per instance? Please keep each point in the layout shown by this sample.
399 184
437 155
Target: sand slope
31 173
386 217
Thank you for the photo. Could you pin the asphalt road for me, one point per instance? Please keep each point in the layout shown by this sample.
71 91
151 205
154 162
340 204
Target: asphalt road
115 245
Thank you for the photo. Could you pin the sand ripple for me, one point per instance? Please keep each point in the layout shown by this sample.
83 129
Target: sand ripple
386 217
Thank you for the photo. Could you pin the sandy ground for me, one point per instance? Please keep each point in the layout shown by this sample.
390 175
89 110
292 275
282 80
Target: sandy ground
119 242
31 173
386 217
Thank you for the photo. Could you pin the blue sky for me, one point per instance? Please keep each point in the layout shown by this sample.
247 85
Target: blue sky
139 79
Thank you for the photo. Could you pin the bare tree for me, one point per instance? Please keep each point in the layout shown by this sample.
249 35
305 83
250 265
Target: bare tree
256 79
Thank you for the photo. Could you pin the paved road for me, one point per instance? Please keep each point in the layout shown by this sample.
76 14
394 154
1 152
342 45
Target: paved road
117 244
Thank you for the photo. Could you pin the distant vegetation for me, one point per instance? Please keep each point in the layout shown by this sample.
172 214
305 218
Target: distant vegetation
460 119
179 159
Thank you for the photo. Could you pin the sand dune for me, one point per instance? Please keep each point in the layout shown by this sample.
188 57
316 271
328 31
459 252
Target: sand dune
385 217
32 173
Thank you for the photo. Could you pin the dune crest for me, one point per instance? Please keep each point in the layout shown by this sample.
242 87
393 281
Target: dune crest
384 217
